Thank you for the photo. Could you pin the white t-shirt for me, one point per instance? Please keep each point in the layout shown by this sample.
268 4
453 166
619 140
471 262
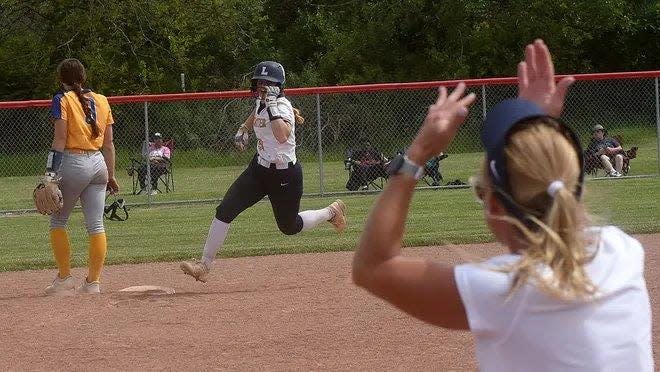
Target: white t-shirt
535 332
268 147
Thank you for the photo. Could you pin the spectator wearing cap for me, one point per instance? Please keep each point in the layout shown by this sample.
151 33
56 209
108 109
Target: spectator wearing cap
159 158
606 150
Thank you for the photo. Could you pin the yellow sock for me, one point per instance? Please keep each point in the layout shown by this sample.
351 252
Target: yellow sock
59 242
98 246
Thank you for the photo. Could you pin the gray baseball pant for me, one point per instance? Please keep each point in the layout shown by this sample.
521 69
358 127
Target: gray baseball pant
84 177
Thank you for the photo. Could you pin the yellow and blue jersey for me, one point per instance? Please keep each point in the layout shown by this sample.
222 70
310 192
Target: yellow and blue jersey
67 107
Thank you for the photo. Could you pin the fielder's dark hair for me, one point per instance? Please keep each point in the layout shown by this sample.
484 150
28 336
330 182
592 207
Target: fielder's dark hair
72 73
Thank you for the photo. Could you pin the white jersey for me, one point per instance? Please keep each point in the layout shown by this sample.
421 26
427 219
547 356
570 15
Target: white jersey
534 332
268 148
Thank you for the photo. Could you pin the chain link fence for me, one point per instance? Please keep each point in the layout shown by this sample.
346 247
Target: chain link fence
340 123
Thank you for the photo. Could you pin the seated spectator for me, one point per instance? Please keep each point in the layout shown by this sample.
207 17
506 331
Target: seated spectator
366 164
367 155
432 169
159 159
604 151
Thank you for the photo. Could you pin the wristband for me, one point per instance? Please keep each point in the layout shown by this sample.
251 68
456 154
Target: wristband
273 113
50 177
54 161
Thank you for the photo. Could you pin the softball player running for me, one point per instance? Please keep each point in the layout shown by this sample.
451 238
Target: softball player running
274 171
83 125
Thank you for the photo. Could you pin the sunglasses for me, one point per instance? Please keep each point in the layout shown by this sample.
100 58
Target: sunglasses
479 189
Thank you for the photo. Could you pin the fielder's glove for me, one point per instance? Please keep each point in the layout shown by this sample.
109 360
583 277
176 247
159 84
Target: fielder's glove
272 92
242 138
47 195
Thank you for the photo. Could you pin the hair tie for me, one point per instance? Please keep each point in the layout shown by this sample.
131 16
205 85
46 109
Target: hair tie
554 188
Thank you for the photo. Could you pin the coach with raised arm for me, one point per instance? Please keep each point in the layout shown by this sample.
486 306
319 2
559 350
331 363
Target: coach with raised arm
566 297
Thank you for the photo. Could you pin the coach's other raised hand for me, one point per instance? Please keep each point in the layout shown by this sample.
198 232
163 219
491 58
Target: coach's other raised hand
536 79
441 124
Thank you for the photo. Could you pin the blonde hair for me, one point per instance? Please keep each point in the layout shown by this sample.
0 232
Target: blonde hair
537 153
299 119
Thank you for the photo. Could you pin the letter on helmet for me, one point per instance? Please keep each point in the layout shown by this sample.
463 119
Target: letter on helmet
270 71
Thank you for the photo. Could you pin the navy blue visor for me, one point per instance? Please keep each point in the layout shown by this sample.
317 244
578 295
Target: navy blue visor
498 125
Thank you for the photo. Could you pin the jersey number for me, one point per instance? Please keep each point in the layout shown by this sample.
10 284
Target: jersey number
260 122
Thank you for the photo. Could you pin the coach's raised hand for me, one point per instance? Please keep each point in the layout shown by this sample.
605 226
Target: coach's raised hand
536 79
441 124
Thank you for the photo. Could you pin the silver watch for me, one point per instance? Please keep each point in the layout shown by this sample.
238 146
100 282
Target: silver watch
402 165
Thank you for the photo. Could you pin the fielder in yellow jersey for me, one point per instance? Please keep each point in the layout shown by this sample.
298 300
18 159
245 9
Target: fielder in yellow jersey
80 133
82 123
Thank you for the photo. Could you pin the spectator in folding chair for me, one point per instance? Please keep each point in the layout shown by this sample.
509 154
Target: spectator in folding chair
365 165
432 169
604 152
159 159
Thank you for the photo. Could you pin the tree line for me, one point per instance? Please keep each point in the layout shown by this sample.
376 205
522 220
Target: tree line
143 46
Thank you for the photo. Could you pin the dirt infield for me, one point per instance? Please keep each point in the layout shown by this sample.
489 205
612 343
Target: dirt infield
287 312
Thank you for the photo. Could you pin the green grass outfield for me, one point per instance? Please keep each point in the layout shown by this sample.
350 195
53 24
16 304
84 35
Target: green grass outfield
169 233
205 175
209 183
176 231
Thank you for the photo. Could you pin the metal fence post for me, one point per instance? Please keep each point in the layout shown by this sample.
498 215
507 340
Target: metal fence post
320 141
145 154
657 120
483 101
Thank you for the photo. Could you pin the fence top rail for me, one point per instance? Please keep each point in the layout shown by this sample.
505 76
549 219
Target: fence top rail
362 88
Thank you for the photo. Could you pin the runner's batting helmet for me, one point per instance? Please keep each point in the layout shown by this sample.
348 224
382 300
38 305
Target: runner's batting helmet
269 71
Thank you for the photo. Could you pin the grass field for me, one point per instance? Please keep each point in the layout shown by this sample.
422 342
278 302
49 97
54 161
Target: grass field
209 183
168 233
201 174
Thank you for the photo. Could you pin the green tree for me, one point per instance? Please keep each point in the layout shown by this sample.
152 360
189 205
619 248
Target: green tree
142 46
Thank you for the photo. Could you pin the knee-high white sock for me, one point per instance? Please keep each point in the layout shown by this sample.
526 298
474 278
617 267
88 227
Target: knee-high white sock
314 217
215 239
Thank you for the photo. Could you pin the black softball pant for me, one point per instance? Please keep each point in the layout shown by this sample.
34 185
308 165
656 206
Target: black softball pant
283 187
